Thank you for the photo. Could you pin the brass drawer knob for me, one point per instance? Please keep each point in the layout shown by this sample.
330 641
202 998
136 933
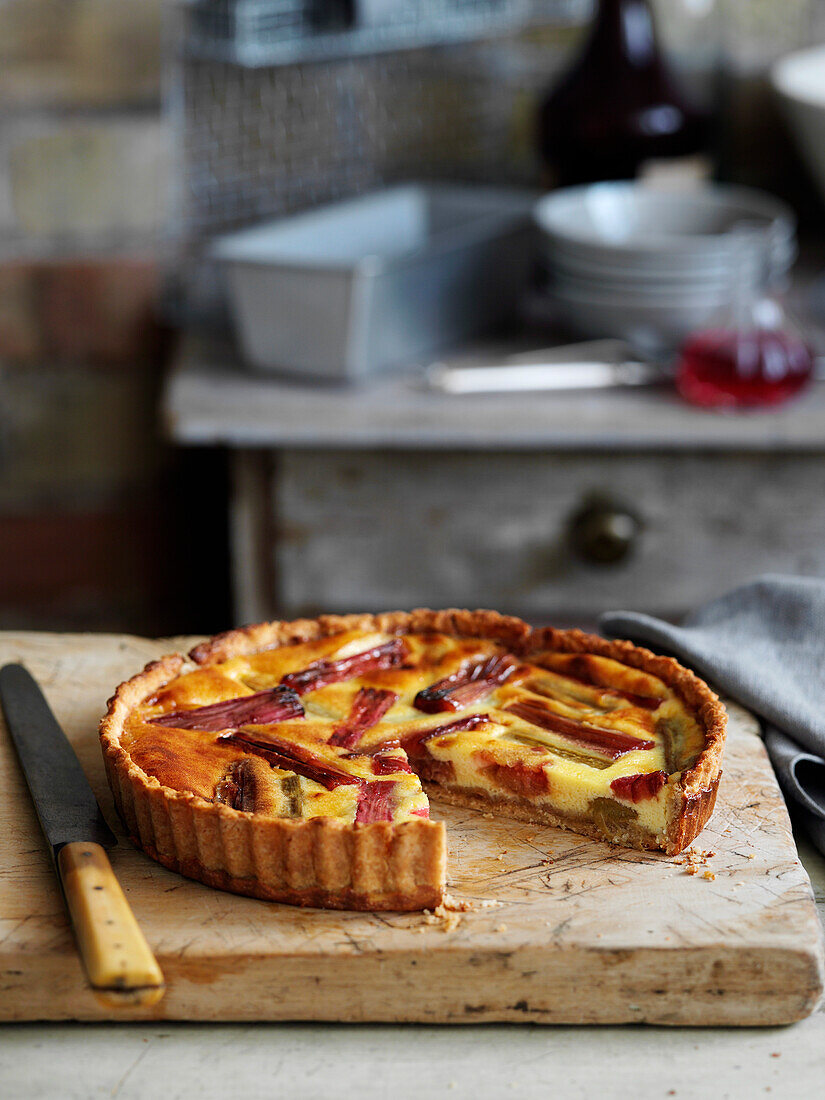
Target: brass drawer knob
603 532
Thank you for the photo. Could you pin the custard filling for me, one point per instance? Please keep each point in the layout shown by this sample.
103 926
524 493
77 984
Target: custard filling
344 727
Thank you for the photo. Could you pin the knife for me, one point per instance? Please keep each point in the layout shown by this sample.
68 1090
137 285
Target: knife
119 963
593 364
537 377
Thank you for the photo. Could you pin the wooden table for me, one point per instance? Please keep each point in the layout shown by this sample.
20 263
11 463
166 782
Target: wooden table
316 1060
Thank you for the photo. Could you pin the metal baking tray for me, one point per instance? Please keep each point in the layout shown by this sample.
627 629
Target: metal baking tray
378 282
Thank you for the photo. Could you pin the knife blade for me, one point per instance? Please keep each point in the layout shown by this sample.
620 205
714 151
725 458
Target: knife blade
119 963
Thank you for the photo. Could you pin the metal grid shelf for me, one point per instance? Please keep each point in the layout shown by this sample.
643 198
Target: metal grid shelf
253 142
261 33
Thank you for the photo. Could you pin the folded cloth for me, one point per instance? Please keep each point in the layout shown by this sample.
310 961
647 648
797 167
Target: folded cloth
764 645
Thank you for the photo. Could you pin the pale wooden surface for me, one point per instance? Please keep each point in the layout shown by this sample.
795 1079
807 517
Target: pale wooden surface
598 935
410 1062
212 399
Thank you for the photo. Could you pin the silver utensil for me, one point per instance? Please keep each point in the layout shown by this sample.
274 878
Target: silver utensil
597 364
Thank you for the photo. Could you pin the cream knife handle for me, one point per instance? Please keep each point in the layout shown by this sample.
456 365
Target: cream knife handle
119 963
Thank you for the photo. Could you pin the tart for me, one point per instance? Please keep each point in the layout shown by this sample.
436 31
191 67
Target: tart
292 760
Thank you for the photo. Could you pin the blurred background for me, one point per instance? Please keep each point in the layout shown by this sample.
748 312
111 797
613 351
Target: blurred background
200 427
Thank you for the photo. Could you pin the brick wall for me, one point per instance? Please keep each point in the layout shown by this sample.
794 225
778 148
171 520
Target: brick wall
94 532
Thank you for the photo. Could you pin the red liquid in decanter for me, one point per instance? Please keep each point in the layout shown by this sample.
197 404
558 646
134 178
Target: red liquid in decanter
725 368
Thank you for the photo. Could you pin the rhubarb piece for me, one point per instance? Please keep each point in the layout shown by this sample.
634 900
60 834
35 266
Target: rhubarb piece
604 742
473 681
611 817
278 704
321 673
389 762
413 741
637 788
677 753
430 770
374 802
568 692
519 778
582 669
238 788
646 702
368 708
291 787
292 758
423 812
540 745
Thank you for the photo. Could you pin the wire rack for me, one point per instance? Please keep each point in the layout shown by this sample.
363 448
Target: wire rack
284 32
256 141
242 29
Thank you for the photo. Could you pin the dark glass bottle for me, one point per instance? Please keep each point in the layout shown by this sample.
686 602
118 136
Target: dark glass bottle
618 107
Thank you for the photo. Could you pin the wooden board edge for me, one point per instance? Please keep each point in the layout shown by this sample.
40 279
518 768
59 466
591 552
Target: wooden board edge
717 987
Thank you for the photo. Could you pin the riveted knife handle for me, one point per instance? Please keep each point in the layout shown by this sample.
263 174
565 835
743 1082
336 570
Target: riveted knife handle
119 963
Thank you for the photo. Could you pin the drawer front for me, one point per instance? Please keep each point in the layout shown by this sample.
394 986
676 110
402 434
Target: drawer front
562 536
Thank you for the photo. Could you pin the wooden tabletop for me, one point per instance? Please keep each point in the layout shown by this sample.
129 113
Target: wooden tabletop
211 398
323 1060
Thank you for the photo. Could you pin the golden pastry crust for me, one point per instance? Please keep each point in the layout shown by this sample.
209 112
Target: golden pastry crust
377 865
318 862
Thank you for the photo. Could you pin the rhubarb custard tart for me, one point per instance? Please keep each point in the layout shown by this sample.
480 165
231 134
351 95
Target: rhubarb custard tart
292 761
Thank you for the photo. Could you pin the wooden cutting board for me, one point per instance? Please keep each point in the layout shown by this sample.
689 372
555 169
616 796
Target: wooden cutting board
578 932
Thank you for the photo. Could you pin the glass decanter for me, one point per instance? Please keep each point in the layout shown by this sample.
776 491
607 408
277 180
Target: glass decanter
754 353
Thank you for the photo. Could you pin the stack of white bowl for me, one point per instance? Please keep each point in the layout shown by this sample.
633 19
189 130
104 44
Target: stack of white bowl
652 265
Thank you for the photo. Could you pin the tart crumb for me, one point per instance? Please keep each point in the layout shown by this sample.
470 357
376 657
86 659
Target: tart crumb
500 928
448 915
454 905
693 859
463 905
710 876
445 918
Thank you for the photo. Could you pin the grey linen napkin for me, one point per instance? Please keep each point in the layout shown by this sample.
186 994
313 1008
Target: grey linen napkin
764 645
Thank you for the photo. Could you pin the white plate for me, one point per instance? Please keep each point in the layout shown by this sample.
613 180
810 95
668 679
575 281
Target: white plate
634 221
649 329
665 264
